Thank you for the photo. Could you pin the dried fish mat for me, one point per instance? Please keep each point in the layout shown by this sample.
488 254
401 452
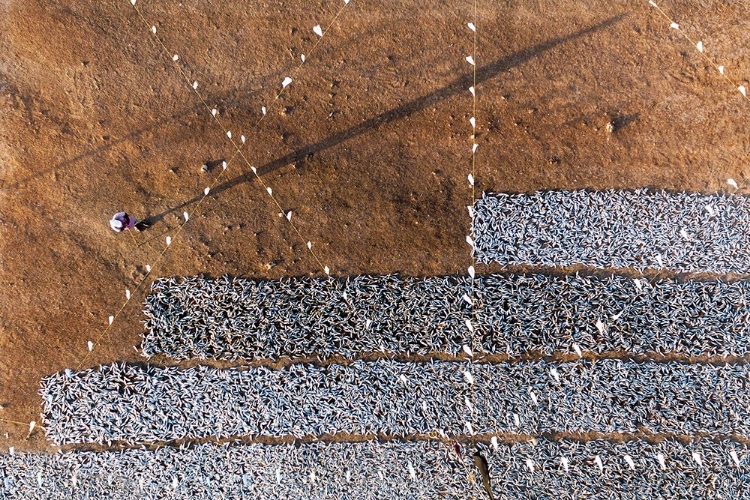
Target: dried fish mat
231 318
630 470
136 405
311 471
683 232
403 470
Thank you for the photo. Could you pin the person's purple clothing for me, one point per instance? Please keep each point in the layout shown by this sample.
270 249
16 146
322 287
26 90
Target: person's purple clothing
122 221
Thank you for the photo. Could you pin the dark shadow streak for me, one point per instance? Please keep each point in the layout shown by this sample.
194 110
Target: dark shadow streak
222 100
456 87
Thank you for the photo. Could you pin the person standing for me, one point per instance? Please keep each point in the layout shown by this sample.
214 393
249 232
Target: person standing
121 221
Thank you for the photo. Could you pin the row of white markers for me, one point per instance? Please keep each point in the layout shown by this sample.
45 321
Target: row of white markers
698 46
288 215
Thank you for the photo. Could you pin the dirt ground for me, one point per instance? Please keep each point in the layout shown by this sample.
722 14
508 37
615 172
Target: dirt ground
369 147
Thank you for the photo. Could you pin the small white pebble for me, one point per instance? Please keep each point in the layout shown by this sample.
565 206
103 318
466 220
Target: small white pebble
469 377
471 180
530 465
229 134
169 240
732 183
674 26
470 60
90 345
186 216
742 90
699 46
195 85
127 294
472 27
175 57
630 462
598 461
285 83
494 442
468 350
721 70
697 458
327 270
564 462
206 191
111 319
213 112
270 191
263 110
471 272
317 30
473 92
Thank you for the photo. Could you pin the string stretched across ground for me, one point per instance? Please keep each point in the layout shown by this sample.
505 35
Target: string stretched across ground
701 49
194 85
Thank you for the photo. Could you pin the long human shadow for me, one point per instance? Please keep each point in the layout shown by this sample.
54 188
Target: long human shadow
456 87
224 100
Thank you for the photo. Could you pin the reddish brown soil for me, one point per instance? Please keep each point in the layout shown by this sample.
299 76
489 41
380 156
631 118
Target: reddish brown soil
369 147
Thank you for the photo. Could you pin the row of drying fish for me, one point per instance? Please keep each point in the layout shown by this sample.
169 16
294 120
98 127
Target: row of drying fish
231 318
683 232
391 470
136 404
